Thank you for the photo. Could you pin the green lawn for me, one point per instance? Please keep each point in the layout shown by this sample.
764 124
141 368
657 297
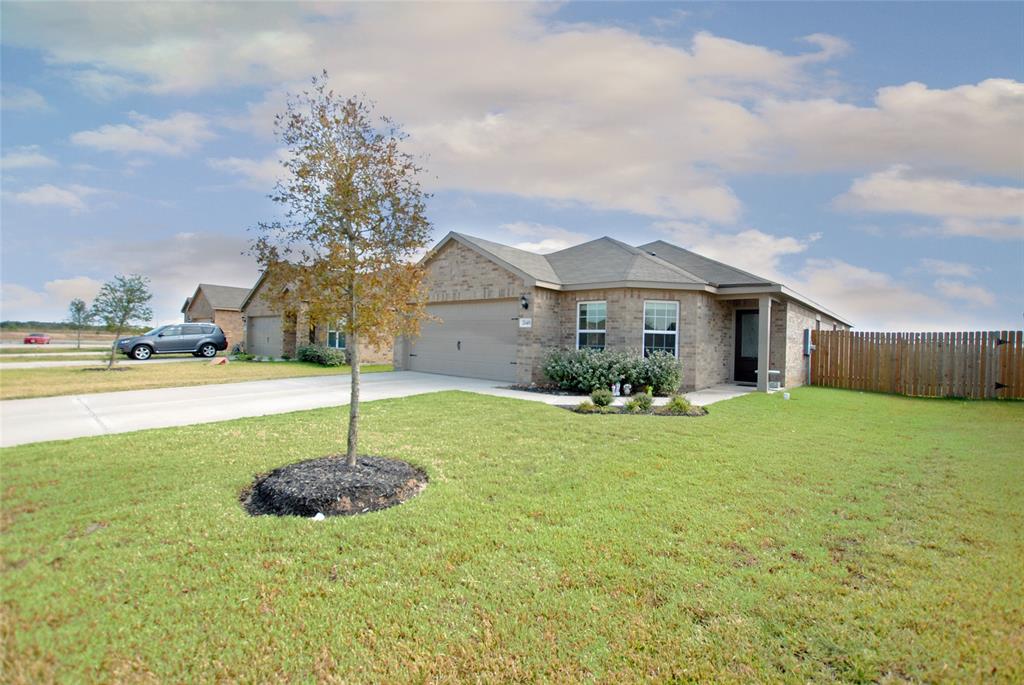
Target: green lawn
75 380
834 537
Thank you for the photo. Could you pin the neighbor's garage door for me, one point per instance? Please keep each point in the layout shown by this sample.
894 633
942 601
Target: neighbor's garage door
475 339
263 336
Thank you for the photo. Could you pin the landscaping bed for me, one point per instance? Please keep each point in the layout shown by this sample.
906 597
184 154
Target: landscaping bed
329 487
618 409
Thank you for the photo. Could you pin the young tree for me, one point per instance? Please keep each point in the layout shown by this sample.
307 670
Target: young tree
354 220
79 316
123 301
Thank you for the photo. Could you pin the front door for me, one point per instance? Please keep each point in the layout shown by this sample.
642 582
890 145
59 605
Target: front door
746 346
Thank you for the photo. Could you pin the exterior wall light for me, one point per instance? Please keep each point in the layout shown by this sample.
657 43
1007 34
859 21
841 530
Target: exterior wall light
524 303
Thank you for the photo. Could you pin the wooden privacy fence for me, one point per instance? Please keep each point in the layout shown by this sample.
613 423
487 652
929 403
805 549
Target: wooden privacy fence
978 365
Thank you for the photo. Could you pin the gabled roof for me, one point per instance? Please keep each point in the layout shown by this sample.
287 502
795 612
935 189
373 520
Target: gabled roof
713 272
606 263
188 301
221 296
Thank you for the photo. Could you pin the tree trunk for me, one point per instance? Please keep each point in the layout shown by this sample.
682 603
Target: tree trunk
352 345
79 337
113 349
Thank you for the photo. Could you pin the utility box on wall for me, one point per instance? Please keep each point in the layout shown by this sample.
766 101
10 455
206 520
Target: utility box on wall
808 345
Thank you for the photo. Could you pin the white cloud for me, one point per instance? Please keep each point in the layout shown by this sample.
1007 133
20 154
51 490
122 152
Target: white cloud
941 267
23 303
48 195
257 174
502 98
177 134
26 157
20 98
545 238
966 209
975 128
958 290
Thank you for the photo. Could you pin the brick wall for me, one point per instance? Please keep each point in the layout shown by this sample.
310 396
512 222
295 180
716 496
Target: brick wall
798 319
199 309
231 323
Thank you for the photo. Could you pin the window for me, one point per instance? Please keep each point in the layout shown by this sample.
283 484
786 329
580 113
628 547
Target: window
590 322
192 329
661 327
335 336
170 330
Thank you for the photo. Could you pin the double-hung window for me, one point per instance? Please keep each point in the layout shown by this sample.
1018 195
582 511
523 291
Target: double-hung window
591 318
335 336
661 327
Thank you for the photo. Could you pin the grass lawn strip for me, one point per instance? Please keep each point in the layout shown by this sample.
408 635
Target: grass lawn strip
39 349
835 537
75 380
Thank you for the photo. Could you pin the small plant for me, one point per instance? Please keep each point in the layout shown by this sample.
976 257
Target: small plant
586 407
286 356
244 357
643 401
632 406
677 404
602 397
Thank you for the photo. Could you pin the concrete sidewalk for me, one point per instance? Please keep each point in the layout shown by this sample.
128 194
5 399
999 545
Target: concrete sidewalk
74 416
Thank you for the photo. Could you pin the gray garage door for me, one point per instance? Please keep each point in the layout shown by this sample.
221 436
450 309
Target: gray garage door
475 339
263 336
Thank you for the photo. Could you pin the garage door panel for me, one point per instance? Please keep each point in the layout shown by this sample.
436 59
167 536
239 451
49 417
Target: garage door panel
475 339
263 336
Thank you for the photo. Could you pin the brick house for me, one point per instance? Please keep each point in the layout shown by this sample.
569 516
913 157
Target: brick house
219 304
271 333
499 310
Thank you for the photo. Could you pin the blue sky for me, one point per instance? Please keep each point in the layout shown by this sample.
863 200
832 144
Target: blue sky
869 155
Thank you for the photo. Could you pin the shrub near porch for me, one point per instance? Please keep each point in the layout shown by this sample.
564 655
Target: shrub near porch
833 537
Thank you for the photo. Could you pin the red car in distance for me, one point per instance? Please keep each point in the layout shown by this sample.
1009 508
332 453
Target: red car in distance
37 339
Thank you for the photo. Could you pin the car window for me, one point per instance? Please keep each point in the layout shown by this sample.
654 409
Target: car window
208 328
171 330
192 329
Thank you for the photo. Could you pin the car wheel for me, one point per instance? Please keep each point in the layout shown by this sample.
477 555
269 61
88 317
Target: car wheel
208 350
142 353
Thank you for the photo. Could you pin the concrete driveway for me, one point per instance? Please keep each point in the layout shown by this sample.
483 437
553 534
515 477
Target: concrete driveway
74 416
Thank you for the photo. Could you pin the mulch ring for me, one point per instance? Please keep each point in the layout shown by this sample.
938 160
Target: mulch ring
601 411
327 486
113 368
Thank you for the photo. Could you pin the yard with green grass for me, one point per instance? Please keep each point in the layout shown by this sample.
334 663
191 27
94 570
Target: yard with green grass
837 536
76 380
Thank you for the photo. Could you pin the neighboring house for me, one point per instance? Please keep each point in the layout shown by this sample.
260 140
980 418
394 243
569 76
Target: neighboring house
499 311
272 333
219 304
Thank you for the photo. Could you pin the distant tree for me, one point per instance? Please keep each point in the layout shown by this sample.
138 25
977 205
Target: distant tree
80 316
354 220
121 302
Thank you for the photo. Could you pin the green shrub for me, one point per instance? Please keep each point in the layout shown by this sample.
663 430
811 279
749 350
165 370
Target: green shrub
632 407
324 356
602 397
677 404
587 370
643 401
586 407
244 357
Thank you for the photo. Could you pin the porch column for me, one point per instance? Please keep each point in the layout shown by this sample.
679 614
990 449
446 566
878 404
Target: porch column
764 333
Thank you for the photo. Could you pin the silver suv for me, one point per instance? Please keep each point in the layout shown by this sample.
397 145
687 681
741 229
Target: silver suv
201 339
